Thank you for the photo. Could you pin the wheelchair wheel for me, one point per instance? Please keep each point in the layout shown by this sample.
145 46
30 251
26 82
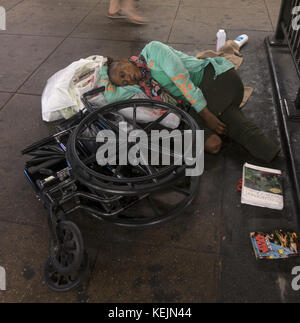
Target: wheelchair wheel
67 250
60 282
155 207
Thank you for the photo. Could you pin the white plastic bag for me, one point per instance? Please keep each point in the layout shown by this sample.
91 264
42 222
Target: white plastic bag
61 97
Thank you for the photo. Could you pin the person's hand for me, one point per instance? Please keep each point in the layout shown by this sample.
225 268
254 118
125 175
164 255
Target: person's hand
213 123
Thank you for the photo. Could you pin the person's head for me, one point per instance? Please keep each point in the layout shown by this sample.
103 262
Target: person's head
123 72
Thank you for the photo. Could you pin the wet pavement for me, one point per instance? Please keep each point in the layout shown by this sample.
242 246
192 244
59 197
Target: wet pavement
203 255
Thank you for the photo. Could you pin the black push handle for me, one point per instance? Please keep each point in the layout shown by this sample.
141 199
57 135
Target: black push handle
84 99
94 91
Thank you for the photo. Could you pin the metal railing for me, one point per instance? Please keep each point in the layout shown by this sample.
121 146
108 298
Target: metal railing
283 52
288 31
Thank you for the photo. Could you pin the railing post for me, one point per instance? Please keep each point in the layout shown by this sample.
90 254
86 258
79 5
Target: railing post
279 34
297 101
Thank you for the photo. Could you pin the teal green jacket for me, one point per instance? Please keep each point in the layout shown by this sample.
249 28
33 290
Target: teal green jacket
177 72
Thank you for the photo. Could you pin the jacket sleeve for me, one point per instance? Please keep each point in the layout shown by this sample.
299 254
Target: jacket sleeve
115 93
163 57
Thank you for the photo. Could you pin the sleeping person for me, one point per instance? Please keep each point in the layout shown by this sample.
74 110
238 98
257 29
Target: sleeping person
211 86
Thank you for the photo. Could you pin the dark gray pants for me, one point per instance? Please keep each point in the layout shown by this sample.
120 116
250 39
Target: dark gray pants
224 96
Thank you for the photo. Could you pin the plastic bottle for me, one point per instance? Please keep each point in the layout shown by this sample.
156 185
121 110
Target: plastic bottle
221 39
241 40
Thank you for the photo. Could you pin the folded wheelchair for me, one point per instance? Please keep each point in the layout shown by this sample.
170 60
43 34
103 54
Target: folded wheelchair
65 175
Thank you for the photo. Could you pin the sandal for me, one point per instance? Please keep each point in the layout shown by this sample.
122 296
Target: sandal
135 18
117 15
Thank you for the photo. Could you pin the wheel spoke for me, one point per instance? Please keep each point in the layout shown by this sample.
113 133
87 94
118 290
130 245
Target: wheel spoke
109 124
134 117
87 138
150 126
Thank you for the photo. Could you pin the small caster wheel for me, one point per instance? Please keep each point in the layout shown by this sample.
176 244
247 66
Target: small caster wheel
67 252
63 282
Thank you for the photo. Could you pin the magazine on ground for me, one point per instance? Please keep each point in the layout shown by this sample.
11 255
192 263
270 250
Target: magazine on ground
262 187
275 245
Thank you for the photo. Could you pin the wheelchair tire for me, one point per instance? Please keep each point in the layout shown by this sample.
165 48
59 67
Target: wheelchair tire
67 253
59 282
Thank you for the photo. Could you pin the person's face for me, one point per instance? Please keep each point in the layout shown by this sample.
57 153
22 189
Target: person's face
126 73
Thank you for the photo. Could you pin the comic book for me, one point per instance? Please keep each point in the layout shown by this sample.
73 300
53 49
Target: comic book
262 187
275 245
